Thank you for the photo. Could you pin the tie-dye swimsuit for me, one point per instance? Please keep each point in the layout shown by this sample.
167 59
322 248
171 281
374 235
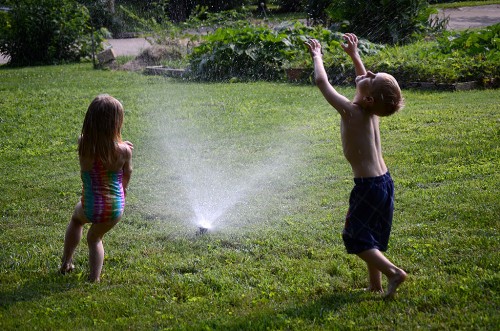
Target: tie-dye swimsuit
103 197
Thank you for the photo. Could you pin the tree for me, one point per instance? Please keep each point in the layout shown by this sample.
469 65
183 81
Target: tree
383 21
44 31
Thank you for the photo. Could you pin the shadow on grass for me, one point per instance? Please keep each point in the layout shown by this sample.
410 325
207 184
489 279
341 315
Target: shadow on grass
36 288
310 313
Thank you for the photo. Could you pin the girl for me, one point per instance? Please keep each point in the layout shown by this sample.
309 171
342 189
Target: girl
106 167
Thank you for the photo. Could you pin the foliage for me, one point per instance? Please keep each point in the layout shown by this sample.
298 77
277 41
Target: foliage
162 33
472 42
292 5
201 17
385 21
317 10
247 53
45 32
471 55
180 10
252 53
280 263
100 16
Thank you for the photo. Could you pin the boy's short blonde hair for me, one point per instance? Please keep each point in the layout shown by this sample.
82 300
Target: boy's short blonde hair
387 96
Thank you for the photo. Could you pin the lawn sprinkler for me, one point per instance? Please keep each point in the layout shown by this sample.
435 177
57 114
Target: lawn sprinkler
201 231
203 226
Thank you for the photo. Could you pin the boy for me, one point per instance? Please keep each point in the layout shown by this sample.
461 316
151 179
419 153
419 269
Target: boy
369 219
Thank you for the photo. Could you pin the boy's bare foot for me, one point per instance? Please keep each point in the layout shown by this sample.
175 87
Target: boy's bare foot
97 280
66 268
374 290
394 282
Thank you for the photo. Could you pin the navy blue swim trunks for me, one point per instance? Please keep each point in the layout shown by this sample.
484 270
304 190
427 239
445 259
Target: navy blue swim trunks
369 219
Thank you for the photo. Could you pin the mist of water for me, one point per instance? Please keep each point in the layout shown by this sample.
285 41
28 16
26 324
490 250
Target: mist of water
220 181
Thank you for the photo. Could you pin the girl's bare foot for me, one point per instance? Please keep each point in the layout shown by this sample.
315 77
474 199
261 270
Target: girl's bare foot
394 282
66 268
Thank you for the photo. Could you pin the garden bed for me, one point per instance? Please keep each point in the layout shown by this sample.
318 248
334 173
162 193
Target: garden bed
164 71
464 86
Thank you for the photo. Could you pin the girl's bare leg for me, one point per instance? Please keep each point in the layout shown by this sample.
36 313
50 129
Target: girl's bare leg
72 238
395 276
96 249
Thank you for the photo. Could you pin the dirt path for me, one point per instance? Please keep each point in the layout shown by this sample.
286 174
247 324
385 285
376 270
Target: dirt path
460 18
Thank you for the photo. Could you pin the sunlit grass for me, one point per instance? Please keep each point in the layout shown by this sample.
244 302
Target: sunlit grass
280 264
459 4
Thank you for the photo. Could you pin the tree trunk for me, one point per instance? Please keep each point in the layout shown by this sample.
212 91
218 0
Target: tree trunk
111 6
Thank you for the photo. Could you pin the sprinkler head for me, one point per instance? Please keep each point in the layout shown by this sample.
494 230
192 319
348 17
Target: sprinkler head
201 230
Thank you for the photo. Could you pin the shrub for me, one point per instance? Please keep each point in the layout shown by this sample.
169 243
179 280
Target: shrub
454 57
45 32
288 6
381 21
253 53
244 53
317 10
472 42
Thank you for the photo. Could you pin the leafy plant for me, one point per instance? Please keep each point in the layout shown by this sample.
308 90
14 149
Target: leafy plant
244 53
202 17
45 32
163 33
382 21
472 42
453 57
252 53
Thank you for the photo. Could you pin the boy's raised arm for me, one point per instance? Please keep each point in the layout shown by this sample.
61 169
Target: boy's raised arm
351 48
337 100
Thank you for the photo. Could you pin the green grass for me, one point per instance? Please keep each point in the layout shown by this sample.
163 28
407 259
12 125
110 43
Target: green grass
459 4
278 263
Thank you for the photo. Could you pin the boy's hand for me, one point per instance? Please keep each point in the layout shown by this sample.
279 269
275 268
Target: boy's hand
314 47
351 45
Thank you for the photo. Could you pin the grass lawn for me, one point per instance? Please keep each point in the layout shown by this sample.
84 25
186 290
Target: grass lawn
265 161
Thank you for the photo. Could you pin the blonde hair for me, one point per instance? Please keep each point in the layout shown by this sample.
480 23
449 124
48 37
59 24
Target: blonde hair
387 96
101 129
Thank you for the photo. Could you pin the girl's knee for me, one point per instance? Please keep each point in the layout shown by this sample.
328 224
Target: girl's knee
98 230
78 216
93 239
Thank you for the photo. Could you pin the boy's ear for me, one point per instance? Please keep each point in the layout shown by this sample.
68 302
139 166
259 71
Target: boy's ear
369 100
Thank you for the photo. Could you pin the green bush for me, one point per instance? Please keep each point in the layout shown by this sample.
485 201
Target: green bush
472 42
243 53
317 10
288 6
44 32
256 53
455 57
381 21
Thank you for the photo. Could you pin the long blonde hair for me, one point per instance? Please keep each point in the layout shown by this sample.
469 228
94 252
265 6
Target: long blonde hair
101 129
